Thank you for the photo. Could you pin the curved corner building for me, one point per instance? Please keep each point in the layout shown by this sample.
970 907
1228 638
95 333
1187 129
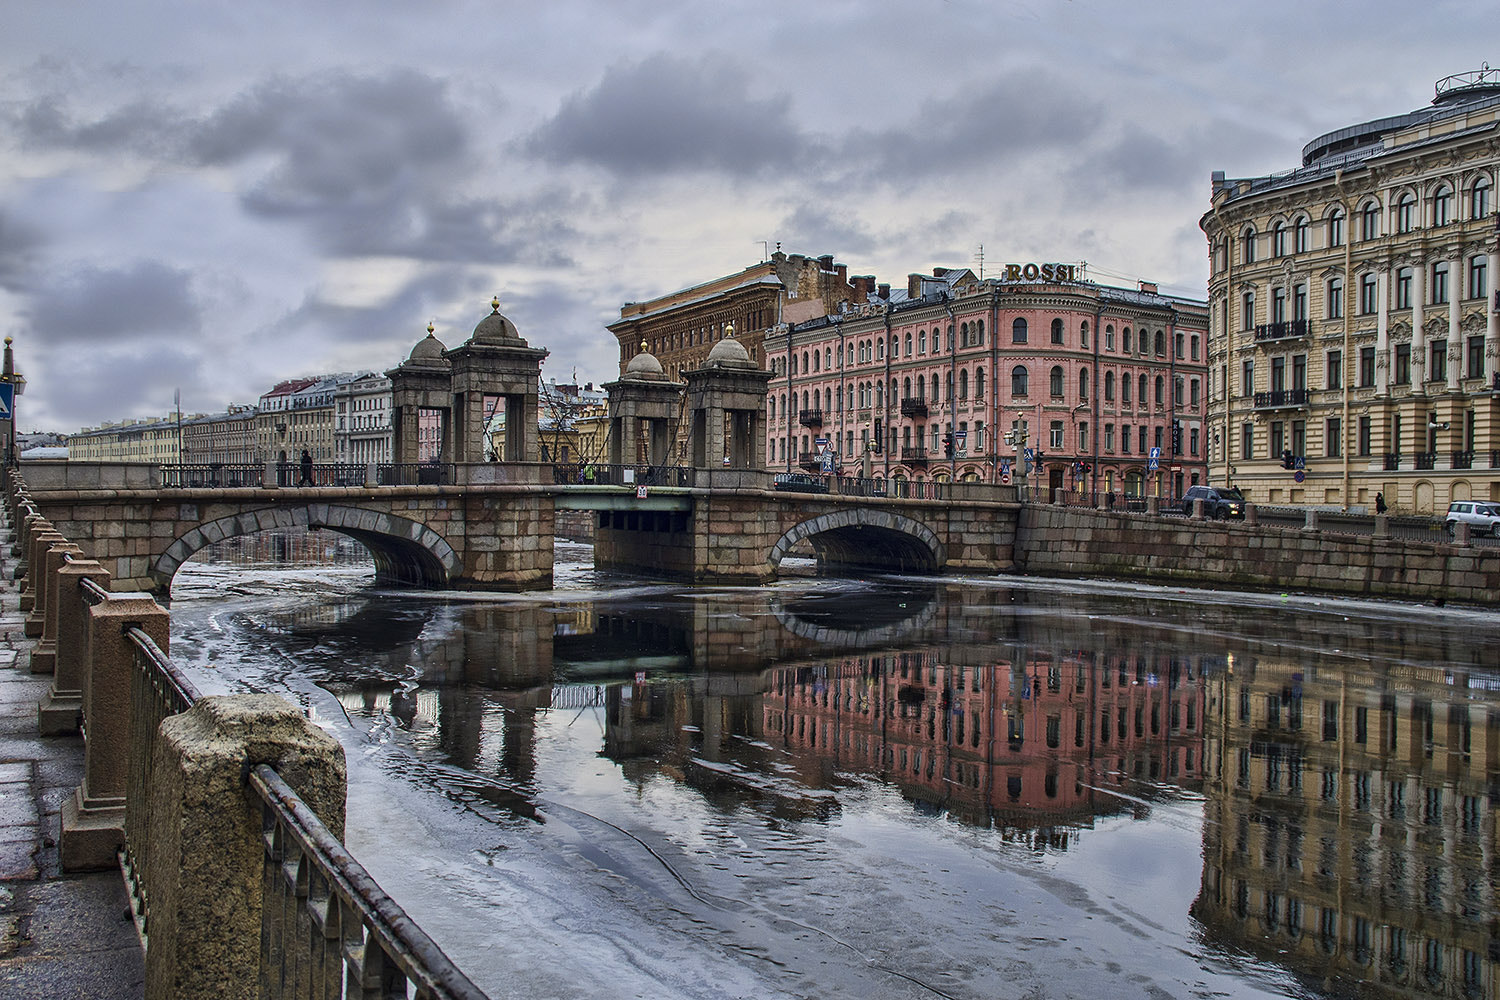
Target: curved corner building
1354 334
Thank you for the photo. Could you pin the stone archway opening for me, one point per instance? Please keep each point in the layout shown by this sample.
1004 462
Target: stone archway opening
406 553
856 541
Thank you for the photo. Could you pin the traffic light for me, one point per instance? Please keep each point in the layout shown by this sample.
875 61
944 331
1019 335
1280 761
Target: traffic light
948 445
1287 461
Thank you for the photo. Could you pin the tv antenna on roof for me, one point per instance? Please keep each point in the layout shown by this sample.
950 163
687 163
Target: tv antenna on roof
980 258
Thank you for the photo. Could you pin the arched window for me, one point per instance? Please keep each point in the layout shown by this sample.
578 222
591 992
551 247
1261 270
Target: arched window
963 384
879 395
771 407
1161 342
1057 331
1083 335
1406 213
1177 388
1018 331
1369 220
1181 345
1479 198
1018 380
1336 227
1125 340
978 383
1141 395
1055 382
979 334
906 388
828 358
828 400
1301 235
805 404
935 397
1109 387
1083 384
805 369
1161 390
1442 205
1125 388
1278 240
908 344
1247 245
922 342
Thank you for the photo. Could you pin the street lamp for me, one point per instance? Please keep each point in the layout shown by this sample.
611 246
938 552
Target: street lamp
12 384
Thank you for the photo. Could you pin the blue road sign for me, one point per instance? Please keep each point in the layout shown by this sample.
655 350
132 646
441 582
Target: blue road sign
827 461
1300 463
1154 462
1005 467
7 400
1299 475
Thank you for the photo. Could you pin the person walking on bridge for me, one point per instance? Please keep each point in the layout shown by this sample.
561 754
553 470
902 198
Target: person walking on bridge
307 469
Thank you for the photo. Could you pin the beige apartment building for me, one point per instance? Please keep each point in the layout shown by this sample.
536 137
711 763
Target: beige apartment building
152 440
1354 333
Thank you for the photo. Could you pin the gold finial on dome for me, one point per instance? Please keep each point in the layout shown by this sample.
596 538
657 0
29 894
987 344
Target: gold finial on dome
430 328
643 345
729 329
495 303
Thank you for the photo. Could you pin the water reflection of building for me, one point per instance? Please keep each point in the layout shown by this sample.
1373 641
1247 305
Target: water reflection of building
1348 834
1036 740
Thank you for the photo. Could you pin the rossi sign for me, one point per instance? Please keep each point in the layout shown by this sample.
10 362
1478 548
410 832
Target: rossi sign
1038 272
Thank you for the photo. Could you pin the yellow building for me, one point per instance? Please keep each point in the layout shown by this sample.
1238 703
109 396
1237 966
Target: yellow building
157 440
1354 335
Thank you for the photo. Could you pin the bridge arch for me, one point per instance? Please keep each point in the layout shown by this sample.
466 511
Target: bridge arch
405 552
859 538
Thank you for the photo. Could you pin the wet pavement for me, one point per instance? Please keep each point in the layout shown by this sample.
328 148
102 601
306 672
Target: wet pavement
898 788
62 936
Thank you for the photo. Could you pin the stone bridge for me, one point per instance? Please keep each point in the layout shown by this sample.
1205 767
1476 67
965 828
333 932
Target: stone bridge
491 526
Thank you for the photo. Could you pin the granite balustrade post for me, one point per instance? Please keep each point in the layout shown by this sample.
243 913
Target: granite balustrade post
44 653
62 711
93 820
205 851
41 541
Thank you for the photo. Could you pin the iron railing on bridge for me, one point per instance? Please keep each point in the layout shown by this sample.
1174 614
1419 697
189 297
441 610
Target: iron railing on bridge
600 474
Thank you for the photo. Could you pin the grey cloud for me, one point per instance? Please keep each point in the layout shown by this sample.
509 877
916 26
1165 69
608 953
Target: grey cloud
1012 118
831 231
19 245
96 306
671 115
111 384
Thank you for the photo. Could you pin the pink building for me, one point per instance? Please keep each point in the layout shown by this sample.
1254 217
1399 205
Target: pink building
930 382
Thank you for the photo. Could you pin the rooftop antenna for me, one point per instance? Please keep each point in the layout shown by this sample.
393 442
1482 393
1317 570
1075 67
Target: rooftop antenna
980 257
765 249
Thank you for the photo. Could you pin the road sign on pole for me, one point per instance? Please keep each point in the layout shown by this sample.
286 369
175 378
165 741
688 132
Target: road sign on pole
1154 462
7 400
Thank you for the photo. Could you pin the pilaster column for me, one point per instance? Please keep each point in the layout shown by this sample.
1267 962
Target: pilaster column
1455 328
1418 335
1383 332
1492 317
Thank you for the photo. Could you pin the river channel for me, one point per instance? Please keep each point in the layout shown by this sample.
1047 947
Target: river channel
893 788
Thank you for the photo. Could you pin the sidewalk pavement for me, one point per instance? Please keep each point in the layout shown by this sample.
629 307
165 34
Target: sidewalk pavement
62 936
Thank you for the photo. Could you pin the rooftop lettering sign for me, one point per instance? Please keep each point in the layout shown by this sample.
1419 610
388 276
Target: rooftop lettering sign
1039 272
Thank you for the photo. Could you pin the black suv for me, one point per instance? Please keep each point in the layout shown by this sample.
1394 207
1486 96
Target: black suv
1219 502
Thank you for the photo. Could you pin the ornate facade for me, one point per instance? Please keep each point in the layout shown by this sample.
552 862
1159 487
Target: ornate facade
1354 340
1109 383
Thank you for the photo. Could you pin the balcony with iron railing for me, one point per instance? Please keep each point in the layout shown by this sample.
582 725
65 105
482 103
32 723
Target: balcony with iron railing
913 455
1278 398
1424 460
1282 330
1463 460
809 460
914 407
1392 461
810 418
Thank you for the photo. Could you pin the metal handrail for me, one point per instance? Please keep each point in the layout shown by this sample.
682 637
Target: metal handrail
348 909
181 693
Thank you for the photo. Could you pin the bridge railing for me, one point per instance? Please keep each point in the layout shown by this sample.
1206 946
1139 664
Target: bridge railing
234 872
213 475
604 474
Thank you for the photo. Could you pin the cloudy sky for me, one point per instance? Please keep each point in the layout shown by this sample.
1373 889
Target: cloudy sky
214 196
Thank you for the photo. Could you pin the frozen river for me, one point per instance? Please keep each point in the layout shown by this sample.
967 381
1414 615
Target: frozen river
976 787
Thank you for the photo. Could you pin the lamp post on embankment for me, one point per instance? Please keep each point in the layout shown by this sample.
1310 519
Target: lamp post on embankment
12 384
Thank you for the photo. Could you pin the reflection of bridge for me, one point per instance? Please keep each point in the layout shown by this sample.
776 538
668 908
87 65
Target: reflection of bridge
491 526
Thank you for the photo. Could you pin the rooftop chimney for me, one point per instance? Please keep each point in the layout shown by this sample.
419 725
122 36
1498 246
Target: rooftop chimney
884 291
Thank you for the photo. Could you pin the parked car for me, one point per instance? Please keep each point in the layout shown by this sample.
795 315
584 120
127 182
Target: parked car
1219 502
800 482
1481 517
